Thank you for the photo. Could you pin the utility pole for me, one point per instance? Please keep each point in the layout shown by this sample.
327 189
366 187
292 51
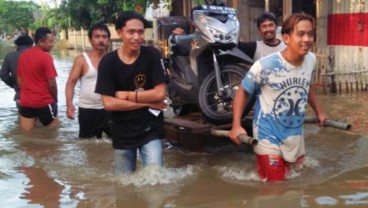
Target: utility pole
287 8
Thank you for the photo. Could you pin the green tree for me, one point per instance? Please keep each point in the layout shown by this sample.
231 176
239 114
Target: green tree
16 15
84 13
53 18
61 16
3 6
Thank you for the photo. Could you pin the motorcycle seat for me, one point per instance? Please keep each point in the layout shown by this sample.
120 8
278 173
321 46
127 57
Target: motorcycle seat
183 44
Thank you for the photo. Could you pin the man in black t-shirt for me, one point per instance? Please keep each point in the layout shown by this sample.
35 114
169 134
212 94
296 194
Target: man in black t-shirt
131 81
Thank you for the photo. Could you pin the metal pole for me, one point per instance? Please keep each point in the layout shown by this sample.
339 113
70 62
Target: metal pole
243 138
329 123
267 5
287 8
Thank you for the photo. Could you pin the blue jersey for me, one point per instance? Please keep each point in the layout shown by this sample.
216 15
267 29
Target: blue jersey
282 97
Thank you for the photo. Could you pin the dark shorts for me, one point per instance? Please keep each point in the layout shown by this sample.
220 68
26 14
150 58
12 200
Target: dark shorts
46 115
92 122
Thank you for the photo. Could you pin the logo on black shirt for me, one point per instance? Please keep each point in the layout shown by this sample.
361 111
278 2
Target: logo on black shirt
139 81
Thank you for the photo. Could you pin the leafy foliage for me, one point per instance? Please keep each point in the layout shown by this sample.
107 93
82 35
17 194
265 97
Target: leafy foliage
84 13
16 15
3 6
24 15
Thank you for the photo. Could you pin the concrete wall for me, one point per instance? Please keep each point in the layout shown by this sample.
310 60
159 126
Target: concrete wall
343 58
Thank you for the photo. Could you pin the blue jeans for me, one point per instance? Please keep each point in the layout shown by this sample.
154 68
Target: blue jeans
126 159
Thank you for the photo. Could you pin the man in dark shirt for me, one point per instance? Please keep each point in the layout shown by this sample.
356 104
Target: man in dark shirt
131 81
8 73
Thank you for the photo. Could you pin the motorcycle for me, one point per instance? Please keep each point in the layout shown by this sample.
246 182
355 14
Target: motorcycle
206 67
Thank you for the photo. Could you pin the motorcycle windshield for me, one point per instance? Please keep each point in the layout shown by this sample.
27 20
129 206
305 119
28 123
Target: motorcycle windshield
218 25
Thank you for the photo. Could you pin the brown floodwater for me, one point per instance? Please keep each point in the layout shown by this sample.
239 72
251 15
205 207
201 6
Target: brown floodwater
53 168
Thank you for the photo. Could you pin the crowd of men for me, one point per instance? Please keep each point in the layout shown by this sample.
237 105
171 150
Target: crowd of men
120 91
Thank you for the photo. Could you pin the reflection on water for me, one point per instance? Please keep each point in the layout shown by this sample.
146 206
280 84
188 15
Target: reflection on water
53 168
41 189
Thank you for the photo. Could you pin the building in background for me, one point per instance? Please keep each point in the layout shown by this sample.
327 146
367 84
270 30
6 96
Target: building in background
342 27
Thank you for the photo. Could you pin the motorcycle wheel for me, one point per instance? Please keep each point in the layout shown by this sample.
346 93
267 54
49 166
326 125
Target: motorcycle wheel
219 109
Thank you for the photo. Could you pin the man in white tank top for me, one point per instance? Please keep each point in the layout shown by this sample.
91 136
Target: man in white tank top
267 27
92 117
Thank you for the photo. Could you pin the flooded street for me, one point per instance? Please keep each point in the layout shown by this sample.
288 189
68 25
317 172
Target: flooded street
53 168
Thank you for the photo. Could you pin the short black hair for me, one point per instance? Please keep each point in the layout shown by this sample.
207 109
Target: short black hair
41 33
266 16
23 40
129 15
99 26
